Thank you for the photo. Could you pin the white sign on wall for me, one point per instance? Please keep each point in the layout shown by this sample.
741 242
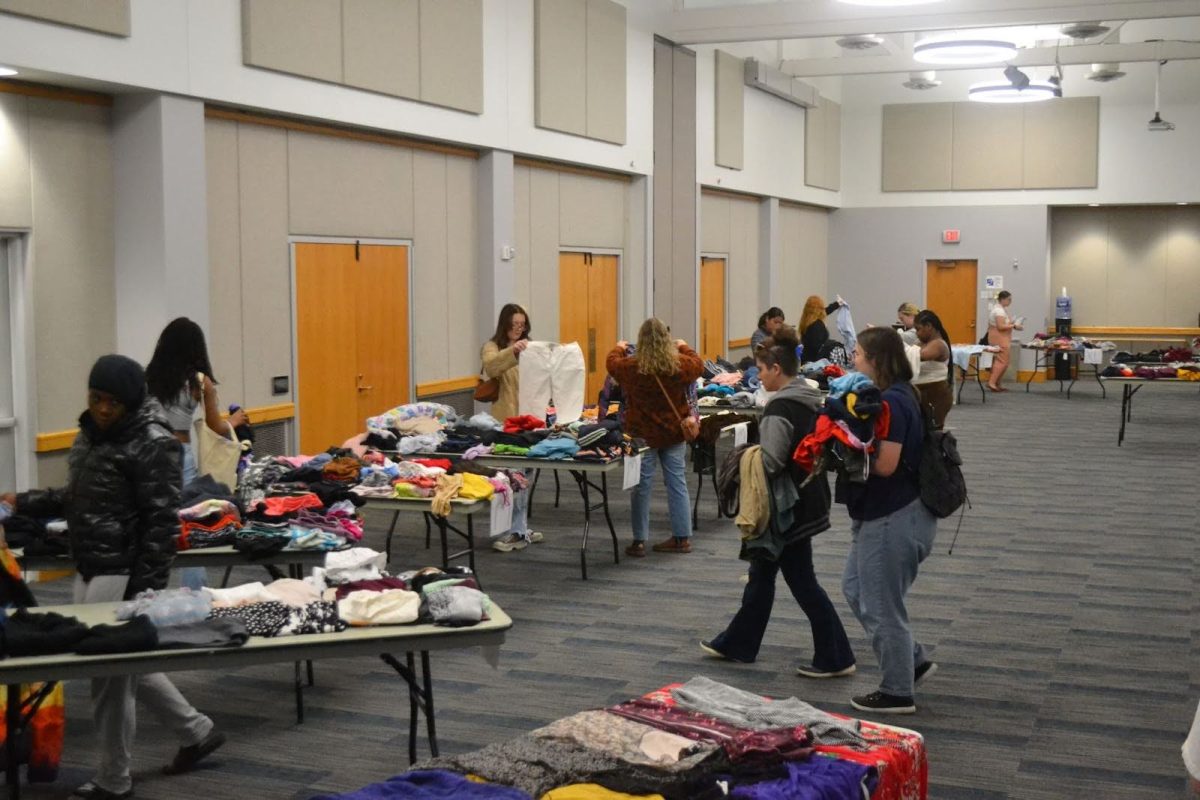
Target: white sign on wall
994 282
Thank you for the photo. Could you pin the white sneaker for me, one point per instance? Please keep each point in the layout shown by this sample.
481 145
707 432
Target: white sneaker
535 536
509 542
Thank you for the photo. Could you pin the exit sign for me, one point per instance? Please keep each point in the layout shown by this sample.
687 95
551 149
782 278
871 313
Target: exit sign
950 236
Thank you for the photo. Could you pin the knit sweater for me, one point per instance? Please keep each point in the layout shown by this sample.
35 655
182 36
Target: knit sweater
648 415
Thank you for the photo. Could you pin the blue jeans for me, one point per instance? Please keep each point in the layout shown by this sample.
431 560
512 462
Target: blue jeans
191 577
677 492
741 640
880 568
520 524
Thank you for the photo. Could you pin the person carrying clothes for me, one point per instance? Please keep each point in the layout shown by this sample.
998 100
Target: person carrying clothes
768 323
180 376
891 530
655 381
999 334
500 356
813 333
935 382
121 504
786 546
906 316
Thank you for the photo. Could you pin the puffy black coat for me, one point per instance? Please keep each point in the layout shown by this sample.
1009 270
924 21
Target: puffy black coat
121 501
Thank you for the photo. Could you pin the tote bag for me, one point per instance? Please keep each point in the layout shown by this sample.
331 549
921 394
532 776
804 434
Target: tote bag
216 455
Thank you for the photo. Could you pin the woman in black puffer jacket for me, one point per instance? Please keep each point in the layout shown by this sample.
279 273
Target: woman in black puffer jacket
121 504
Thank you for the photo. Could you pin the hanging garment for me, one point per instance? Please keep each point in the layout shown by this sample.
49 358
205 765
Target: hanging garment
552 371
845 326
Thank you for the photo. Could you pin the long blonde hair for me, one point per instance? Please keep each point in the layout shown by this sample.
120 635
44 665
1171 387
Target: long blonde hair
814 309
656 352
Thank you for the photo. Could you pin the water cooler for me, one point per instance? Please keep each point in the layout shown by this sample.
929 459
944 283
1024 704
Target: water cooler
1062 327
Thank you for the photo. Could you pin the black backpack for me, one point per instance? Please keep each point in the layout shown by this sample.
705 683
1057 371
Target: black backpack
939 476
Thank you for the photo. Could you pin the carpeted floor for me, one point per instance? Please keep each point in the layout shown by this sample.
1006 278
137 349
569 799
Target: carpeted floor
1063 624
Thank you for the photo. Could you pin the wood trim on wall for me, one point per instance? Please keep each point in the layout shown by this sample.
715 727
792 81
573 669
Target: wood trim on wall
393 140
58 440
554 166
446 386
736 343
1089 330
55 93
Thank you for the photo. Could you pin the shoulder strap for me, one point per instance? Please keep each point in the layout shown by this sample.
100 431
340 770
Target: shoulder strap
674 410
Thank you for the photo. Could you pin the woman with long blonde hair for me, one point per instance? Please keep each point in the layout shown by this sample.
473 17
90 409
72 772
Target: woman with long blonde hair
655 381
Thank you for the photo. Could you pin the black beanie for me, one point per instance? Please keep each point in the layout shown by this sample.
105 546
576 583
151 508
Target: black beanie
120 376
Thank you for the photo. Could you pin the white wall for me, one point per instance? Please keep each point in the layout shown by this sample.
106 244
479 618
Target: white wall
194 48
1136 165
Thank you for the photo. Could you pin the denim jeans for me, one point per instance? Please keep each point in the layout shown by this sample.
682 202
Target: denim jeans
880 568
191 577
520 515
741 640
678 505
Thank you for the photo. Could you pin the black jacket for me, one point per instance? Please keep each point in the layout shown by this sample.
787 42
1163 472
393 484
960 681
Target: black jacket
121 501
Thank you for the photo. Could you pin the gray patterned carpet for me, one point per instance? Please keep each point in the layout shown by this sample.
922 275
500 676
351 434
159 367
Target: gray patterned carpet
1064 624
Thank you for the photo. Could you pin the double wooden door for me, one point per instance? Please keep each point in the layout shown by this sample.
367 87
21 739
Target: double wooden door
712 308
950 287
587 311
351 338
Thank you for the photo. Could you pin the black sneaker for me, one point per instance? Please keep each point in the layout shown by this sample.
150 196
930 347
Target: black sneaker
925 670
708 648
186 758
809 671
882 703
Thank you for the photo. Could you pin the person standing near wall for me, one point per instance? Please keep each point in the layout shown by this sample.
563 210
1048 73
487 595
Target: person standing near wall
999 334
813 333
906 315
769 322
655 381
500 355
935 382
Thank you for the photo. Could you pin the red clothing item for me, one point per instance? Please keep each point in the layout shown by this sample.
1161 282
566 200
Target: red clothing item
811 446
440 463
899 755
648 415
525 422
286 504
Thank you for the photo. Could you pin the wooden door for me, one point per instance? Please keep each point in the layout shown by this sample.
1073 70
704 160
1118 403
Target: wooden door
950 292
712 308
587 311
381 314
573 325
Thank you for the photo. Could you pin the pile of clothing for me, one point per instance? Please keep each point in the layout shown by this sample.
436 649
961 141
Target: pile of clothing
853 417
697 740
822 371
1049 341
1178 362
440 480
726 386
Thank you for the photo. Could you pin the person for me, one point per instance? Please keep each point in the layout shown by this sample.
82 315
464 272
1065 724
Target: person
935 382
813 333
768 323
1191 756
180 376
788 418
891 530
999 334
655 381
905 316
500 356
121 504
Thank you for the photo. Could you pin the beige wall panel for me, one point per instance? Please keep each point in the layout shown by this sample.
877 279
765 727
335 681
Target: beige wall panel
301 37
543 249
606 71
522 237
1183 267
633 262
591 211
1137 267
431 285
987 146
224 332
266 262
833 145
52 469
452 53
663 194
560 65
1061 143
791 235
16 207
742 271
467 331
814 252
822 145
380 46
1079 261
917 146
714 223
73 252
684 313
729 110
342 187
105 16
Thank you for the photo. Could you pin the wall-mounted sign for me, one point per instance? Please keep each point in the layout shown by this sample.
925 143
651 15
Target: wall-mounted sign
950 236
994 282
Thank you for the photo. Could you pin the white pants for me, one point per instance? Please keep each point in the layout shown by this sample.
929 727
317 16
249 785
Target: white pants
552 371
114 709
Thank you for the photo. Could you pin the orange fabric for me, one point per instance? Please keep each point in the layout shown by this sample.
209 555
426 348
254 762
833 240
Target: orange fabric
46 732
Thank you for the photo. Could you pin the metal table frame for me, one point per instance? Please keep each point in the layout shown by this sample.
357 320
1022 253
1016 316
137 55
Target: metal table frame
968 373
1130 387
380 641
1043 358
420 505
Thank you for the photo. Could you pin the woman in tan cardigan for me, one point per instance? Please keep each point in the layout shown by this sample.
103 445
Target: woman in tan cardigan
499 356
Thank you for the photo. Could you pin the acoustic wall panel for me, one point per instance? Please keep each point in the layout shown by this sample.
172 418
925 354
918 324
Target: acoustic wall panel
451 48
591 211
714 223
917 146
16 205
1182 291
605 71
663 204
302 37
1061 143
560 65
684 191
104 16
823 145
1137 267
381 46
224 255
431 284
467 331
988 146
730 110
1079 261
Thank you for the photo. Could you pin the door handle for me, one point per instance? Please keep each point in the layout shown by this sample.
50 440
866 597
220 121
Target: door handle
971 324
591 349
358 384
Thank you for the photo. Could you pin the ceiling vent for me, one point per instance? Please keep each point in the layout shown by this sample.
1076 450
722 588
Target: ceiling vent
860 41
1085 30
772 81
922 81
1105 72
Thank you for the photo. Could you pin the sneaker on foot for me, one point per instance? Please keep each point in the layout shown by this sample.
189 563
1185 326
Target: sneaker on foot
91 791
882 703
536 536
186 758
509 542
809 671
707 647
924 671
673 545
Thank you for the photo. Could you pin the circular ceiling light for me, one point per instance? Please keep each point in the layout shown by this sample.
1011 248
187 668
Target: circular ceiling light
887 3
1005 92
6 71
958 52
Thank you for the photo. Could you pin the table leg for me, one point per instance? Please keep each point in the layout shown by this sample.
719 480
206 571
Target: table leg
581 479
299 689
471 547
608 517
557 488
414 706
12 719
696 500
430 726
979 379
1096 372
387 547
428 529
228 573
1074 365
962 381
537 473
420 698
441 524
1125 397
1039 363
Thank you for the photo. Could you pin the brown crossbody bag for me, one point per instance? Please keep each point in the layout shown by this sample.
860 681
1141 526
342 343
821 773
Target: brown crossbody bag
689 426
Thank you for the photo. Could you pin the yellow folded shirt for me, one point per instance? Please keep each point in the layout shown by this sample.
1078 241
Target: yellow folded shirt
592 791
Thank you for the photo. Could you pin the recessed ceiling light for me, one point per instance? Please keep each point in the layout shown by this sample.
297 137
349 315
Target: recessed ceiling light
6 71
1093 205
959 51
1005 92
887 3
